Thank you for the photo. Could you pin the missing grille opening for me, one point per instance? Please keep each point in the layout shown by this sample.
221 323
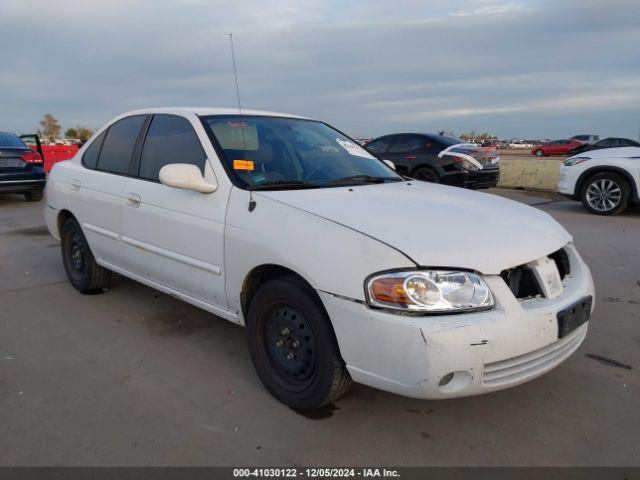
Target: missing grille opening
562 262
522 282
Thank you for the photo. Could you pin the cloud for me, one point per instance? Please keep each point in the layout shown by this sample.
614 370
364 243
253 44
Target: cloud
527 68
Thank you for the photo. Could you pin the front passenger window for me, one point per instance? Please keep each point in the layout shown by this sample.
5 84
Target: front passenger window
170 139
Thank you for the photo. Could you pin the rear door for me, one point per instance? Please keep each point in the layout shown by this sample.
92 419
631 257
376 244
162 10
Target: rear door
408 151
96 192
173 236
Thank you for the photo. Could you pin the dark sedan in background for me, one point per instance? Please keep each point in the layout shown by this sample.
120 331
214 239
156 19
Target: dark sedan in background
438 158
21 169
610 142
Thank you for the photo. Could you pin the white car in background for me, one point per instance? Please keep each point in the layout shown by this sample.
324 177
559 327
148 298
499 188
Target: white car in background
339 268
606 181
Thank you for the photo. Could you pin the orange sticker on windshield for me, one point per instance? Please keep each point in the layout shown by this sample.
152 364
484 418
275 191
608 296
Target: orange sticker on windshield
243 165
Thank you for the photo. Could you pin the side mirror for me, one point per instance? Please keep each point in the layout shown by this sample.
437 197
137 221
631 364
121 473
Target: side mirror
187 177
390 163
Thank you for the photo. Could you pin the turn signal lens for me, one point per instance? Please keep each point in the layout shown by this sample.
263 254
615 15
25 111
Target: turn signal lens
429 291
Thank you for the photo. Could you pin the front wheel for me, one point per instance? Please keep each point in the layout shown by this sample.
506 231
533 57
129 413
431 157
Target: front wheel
293 347
426 175
539 153
605 193
83 272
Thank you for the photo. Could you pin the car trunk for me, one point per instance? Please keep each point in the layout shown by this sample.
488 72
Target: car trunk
14 162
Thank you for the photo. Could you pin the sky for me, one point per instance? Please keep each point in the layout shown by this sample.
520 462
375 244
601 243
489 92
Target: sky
517 69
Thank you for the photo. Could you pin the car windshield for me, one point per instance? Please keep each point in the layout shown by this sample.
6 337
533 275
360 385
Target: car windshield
286 153
8 139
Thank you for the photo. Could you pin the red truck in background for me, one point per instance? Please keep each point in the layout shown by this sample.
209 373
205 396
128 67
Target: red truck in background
55 153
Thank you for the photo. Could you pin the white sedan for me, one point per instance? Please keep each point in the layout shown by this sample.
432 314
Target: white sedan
606 181
338 267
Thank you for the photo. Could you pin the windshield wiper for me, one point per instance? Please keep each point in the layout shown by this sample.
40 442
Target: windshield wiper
283 185
355 179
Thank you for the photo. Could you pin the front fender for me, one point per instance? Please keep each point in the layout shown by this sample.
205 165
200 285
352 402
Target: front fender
331 257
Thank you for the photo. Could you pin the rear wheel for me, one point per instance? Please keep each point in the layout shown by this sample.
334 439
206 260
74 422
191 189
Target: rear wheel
426 175
82 270
34 196
605 193
539 153
293 347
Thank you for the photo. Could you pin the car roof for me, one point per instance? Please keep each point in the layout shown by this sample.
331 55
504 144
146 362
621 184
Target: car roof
619 152
429 135
202 111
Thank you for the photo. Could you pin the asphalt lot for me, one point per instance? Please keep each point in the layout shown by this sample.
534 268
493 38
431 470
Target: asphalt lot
135 377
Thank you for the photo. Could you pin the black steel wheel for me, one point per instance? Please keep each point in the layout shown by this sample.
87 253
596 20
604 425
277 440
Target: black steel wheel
292 345
80 266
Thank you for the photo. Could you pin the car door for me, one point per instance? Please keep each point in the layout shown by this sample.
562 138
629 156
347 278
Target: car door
556 147
174 237
96 191
407 151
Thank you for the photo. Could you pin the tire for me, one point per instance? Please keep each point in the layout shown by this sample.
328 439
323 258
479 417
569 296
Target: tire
81 268
539 153
34 196
605 193
426 174
293 347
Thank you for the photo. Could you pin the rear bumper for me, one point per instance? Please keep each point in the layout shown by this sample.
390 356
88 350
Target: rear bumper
21 186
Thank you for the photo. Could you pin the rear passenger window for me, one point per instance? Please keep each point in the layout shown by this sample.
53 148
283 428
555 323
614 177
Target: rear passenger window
170 139
406 144
118 145
90 156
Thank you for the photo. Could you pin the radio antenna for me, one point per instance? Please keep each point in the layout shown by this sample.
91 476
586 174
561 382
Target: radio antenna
235 72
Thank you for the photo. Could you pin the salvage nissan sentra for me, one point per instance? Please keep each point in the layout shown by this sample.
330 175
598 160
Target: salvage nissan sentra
338 267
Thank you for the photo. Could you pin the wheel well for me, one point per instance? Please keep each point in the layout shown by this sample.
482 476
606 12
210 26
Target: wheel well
606 169
62 217
428 167
259 276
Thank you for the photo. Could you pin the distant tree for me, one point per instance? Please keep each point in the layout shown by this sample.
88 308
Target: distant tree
472 135
50 126
71 133
83 133
468 136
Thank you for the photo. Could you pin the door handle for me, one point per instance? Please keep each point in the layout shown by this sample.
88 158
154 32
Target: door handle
75 184
410 157
133 200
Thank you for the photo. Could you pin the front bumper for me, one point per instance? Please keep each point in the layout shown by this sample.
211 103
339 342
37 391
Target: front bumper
472 179
487 351
566 185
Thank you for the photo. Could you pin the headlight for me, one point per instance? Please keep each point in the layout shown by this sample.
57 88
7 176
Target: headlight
433 291
570 162
467 165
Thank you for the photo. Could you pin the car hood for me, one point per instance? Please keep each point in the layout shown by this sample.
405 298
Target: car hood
436 225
